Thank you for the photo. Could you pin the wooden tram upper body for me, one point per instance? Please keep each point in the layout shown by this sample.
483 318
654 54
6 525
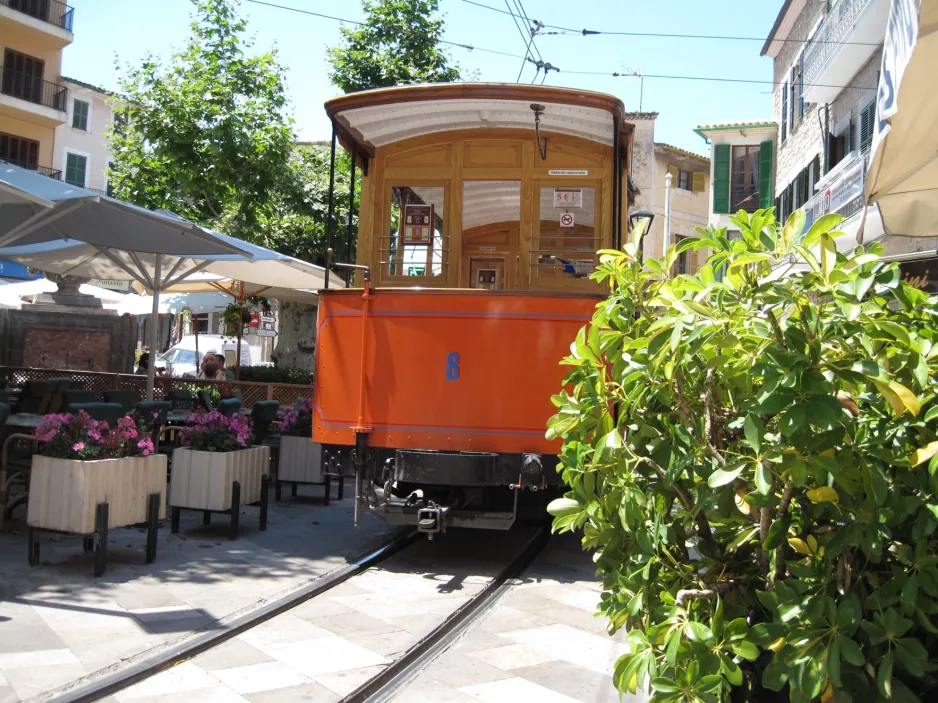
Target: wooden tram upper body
478 230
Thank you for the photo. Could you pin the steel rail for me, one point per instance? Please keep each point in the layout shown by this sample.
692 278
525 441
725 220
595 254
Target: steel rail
180 652
392 679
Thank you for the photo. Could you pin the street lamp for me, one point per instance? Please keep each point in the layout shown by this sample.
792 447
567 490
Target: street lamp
634 218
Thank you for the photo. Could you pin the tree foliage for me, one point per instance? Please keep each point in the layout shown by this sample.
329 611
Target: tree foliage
755 464
397 44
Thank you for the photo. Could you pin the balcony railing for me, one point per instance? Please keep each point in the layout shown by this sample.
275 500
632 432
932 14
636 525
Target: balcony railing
747 200
51 11
44 170
26 86
840 191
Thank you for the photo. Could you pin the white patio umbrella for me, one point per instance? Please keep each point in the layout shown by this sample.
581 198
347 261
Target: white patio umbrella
903 174
65 229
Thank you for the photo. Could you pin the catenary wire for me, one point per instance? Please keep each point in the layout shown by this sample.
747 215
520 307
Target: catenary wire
663 35
612 74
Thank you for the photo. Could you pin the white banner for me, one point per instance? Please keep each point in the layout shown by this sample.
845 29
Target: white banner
901 35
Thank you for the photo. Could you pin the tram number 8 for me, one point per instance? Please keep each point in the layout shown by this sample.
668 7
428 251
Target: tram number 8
452 366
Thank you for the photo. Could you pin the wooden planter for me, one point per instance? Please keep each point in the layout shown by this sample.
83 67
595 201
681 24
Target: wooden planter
219 482
90 497
302 461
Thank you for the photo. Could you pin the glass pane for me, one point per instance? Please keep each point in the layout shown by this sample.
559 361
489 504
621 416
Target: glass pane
566 243
491 220
416 244
753 168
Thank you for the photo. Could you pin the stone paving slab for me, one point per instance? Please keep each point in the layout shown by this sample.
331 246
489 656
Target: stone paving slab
326 647
59 623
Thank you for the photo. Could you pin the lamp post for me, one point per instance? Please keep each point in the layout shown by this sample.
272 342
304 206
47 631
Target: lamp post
666 239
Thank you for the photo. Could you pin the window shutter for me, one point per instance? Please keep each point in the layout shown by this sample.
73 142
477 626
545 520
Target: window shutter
700 182
867 116
801 86
784 110
721 178
765 174
675 175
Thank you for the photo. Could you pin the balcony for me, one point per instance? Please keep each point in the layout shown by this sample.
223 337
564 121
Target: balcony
747 200
44 170
22 92
840 191
850 34
47 23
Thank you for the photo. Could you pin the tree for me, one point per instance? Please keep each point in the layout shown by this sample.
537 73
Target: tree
755 464
205 135
397 44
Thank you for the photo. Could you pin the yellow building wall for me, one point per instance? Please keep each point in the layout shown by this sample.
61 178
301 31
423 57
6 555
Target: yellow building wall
15 38
689 209
27 130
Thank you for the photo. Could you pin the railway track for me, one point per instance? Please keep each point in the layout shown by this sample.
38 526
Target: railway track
379 688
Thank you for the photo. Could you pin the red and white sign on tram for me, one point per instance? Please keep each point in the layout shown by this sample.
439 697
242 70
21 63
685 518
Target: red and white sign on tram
568 197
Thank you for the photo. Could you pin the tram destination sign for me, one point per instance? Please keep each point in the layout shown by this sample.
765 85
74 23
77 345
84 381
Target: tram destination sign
568 172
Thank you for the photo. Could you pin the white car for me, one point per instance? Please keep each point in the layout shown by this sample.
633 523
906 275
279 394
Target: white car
183 360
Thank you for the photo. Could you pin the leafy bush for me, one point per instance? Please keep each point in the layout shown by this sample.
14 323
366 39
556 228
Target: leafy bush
754 462
80 437
272 374
214 432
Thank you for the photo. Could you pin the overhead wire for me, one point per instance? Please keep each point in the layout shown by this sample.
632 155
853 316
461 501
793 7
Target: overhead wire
665 35
527 47
612 74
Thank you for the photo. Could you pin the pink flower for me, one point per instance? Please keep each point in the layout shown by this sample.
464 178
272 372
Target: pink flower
78 446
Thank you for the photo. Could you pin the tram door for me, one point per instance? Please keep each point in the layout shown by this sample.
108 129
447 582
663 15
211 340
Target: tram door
491 220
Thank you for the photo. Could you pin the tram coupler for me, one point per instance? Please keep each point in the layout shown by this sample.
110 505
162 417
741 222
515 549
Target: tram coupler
532 473
432 520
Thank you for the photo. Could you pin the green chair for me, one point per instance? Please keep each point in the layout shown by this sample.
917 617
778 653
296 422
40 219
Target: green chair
263 413
126 398
60 385
229 406
106 412
154 413
35 397
79 395
205 399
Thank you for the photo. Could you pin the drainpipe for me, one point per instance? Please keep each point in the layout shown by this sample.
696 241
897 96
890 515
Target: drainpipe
666 240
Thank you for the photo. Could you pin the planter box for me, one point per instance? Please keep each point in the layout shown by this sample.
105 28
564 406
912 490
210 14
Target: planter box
64 493
203 480
300 460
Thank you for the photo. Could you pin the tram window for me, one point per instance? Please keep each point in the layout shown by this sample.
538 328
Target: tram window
415 245
491 221
566 243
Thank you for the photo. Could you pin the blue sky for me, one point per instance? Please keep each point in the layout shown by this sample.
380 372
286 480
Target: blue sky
130 28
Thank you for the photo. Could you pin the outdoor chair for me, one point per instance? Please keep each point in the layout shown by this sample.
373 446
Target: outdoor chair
126 398
59 386
205 399
154 413
79 395
35 397
182 399
229 406
263 414
106 412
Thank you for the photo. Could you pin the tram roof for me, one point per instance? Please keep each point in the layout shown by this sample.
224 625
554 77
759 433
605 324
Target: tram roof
374 118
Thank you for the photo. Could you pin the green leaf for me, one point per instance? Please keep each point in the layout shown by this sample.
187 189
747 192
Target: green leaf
792 420
763 478
721 477
777 533
746 650
850 651
697 632
884 675
754 430
823 225
560 507
731 670
663 685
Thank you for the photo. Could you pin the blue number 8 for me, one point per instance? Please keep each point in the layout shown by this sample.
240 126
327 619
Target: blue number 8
452 366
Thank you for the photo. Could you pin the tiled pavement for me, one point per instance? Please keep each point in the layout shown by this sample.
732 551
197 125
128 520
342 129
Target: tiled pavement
541 643
58 623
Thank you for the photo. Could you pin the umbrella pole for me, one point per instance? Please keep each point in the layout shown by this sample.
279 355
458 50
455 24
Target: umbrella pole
240 330
154 320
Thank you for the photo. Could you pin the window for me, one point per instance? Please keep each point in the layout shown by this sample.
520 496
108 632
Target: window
867 122
801 86
792 95
110 180
19 151
200 323
784 110
22 76
744 194
682 265
76 168
80 111
684 180
567 239
417 244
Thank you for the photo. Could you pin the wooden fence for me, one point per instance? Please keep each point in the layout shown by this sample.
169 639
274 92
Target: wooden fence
251 392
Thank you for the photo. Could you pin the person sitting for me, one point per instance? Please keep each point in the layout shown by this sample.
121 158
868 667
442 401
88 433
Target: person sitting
210 370
229 374
143 364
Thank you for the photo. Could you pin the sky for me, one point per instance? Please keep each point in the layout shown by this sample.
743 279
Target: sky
126 30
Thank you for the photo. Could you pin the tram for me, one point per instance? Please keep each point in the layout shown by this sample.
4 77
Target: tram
482 208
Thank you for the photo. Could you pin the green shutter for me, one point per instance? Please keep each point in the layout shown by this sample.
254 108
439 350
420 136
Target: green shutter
765 174
721 178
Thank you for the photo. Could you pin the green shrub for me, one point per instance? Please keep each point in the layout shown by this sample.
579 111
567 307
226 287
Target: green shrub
272 374
753 462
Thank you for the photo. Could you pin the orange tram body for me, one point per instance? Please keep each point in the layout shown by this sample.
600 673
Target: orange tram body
482 208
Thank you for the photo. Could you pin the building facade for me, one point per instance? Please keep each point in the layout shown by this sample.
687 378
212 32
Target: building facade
81 146
34 101
742 173
826 58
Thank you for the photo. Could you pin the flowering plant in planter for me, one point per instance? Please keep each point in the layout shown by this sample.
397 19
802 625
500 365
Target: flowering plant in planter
213 432
299 422
80 437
